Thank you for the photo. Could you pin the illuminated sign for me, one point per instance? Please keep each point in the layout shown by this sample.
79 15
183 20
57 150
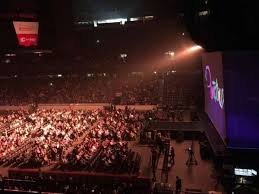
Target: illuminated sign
27 33
216 93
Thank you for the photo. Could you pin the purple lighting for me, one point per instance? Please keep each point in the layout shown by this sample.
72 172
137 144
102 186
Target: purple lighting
216 92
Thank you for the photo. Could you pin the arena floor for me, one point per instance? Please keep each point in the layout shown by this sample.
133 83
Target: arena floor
200 177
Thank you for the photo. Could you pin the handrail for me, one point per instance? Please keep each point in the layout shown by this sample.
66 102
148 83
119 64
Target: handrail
76 173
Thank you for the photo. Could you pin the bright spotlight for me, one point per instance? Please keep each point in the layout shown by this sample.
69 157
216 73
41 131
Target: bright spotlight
170 53
123 55
194 48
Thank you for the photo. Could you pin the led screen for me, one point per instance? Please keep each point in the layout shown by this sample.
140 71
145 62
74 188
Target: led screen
241 81
214 90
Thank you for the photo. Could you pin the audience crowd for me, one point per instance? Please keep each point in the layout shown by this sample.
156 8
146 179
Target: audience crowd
177 91
69 138
77 90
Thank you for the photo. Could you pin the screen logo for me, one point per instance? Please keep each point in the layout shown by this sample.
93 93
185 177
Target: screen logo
216 93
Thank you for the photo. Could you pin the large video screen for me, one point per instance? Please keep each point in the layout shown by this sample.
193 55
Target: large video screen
214 90
241 80
27 33
18 34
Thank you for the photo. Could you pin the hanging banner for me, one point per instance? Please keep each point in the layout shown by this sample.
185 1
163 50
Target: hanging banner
27 33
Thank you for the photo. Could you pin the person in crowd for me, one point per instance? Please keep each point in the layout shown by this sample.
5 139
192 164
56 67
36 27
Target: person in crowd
160 144
178 185
154 159
1 183
172 155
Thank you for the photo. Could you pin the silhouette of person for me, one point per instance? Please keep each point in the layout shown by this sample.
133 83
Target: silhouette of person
178 185
154 162
172 155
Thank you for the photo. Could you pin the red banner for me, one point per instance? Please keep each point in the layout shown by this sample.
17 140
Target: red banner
27 33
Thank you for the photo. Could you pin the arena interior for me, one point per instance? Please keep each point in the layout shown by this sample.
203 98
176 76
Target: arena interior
128 97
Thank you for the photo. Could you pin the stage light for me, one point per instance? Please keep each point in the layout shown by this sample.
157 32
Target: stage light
170 53
194 48
7 61
10 55
203 13
149 17
123 55
134 19
110 21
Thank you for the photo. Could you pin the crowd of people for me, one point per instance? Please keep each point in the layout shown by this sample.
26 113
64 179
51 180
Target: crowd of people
70 90
140 92
171 90
181 90
77 90
67 138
